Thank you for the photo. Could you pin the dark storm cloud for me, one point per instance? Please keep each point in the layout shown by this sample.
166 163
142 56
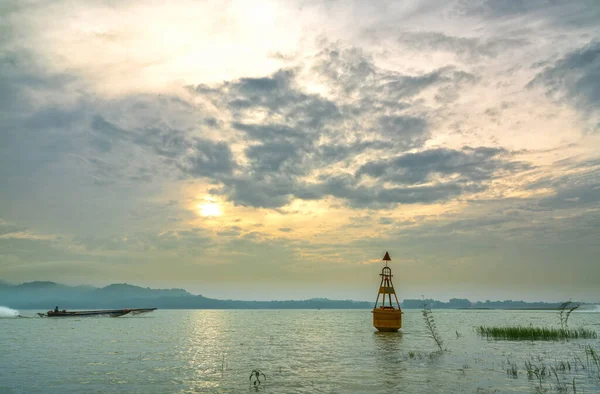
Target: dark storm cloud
575 78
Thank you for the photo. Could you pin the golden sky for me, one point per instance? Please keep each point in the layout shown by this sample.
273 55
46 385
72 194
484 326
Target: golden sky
276 150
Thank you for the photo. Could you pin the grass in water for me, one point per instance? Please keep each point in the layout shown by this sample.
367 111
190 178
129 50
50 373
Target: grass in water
534 333
431 327
566 308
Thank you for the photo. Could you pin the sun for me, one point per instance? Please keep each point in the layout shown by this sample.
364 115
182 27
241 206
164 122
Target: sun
210 209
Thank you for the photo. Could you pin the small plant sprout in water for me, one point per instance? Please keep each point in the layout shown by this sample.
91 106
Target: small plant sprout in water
255 377
561 387
566 308
593 360
512 370
430 323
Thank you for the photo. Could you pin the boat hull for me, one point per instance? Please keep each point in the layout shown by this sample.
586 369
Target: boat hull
111 313
387 319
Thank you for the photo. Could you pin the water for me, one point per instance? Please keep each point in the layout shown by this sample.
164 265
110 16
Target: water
7 312
300 351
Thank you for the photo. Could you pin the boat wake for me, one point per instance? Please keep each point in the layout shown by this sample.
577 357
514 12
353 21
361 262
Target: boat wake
589 309
6 312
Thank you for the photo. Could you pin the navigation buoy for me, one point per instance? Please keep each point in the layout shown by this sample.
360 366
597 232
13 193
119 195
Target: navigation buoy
386 317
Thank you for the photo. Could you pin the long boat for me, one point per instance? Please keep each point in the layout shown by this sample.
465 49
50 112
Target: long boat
111 312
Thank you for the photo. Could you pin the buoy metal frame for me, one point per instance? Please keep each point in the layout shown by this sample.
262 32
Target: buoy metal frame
386 317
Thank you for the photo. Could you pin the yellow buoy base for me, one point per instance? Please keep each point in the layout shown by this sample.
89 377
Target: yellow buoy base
387 319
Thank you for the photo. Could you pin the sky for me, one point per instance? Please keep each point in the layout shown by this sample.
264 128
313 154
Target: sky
275 150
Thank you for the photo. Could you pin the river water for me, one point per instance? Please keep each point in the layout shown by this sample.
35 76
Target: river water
299 351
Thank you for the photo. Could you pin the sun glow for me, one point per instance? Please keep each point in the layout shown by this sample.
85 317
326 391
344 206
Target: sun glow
210 209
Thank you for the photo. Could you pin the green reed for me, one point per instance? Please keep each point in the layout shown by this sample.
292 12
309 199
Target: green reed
535 333
430 324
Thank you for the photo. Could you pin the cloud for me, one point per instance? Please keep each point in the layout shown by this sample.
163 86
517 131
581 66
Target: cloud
259 190
376 196
386 221
573 15
575 78
467 165
469 48
574 196
411 131
7 229
209 159
369 131
353 75
291 135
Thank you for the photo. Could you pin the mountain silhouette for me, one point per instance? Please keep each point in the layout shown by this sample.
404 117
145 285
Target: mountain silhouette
46 295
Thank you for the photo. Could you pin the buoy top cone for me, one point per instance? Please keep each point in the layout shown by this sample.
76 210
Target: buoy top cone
387 257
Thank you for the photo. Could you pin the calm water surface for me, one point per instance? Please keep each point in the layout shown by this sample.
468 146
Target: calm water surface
300 351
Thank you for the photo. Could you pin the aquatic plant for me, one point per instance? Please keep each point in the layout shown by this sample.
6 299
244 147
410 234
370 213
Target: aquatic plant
256 373
542 371
222 364
539 371
592 358
535 333
566 308
512 370
560 386
431 327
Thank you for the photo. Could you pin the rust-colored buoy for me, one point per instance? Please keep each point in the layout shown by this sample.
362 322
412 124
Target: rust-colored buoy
386 317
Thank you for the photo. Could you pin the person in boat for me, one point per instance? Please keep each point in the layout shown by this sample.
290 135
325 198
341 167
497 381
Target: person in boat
56 309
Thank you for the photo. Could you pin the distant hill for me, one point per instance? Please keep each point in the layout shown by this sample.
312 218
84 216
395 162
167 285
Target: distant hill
124 290
463 303
46 295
